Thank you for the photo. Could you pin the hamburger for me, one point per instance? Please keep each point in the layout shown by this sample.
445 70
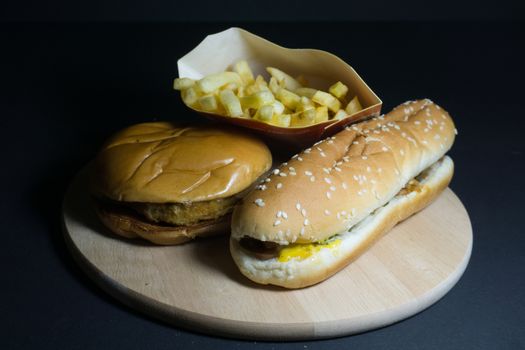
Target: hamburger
169 184
328 204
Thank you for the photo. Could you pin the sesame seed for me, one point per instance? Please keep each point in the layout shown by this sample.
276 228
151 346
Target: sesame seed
368 169
417 122
396 127
425 130
326 170
328 195
298 206
396 171
308 173
402 152
319 149
437 137
330 142
345 186
327 180
322 154
359 193
332 188
306 222
326 212
384 149
284 215
301 233
293 173
424 142
291 168
259 202
308 150
303 212
282 174
455 131
403 134
275 171
312 178
279 213
279 185
380 170
300 159
267 179
376 131
364 157
295 156
355 142
337 169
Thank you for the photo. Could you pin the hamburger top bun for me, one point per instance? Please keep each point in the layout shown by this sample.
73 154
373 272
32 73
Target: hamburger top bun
328 188
161 162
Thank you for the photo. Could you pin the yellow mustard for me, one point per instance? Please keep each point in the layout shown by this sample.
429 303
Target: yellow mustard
302 251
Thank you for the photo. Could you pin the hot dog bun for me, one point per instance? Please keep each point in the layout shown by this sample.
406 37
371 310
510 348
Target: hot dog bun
340 184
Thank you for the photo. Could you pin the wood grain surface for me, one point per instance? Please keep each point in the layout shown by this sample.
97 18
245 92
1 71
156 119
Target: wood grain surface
198 287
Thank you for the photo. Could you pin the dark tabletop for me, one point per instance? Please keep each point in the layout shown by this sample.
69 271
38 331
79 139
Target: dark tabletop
64 88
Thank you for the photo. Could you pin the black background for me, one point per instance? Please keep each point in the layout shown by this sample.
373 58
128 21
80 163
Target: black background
73 74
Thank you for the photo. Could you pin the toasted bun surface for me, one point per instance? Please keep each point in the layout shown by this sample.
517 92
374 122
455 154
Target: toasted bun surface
298 273
336 183
164 163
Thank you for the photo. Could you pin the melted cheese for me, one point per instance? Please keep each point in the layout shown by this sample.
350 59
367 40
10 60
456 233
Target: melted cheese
303 251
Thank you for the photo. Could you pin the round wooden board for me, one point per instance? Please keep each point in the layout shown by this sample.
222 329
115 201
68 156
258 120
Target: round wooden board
197 285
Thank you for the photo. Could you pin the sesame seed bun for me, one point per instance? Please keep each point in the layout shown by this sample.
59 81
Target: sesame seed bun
337 183
326 262
163 174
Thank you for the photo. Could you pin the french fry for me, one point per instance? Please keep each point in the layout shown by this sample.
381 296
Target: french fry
321 114
353 106
306 92
257 100
208 103
339 90
289 82
213 82
283 101
189 96
274 85
258 85
341 114
326 99
231 103
243 69
304 118
282 120
265 114
278 107
183 83
288 98
304 104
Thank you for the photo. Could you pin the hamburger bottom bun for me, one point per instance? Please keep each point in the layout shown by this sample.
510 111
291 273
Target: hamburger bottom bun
124 222
326 261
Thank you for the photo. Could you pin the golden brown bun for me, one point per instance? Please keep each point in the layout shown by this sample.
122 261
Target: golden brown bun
336 183
163 163
326 262
126 223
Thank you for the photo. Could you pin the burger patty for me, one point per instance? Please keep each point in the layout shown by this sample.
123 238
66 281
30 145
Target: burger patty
185 213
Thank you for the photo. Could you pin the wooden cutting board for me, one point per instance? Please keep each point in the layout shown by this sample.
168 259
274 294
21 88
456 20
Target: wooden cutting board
197 285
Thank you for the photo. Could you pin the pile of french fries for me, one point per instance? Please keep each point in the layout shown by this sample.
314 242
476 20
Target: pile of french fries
284 101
